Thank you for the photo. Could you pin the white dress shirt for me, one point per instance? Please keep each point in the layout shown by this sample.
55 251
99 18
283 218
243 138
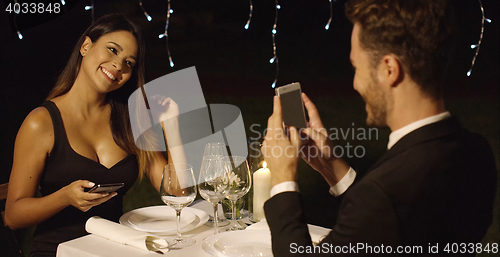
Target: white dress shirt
348 179
395 136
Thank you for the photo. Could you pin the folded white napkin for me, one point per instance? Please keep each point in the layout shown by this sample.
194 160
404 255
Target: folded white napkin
125 235
317 233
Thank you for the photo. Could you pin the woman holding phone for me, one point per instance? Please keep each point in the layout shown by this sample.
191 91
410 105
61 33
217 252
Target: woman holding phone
81 136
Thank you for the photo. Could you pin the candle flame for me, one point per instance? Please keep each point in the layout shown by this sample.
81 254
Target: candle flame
264 164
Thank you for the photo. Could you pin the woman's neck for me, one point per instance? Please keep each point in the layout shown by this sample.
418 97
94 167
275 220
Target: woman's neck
84 100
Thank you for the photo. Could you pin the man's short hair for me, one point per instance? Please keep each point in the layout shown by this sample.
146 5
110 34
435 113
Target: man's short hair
418 32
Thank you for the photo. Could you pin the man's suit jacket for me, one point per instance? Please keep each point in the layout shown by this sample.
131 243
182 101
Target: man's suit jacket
435 185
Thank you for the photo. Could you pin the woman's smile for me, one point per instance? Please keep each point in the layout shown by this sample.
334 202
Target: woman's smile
109 75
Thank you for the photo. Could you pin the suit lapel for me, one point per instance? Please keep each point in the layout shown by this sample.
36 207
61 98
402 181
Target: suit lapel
426 133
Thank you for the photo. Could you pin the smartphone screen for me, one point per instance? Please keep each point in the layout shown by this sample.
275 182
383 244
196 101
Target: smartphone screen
292 105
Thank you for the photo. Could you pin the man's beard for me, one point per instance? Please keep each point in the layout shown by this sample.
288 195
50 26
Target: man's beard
377 105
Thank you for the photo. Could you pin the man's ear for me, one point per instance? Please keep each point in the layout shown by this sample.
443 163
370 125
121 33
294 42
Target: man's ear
87 44
390 70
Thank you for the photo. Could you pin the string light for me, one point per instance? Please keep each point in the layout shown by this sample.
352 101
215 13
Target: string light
275 57
247 25
19 35
477 46
165 35
327 26
63 2
144 11
91 8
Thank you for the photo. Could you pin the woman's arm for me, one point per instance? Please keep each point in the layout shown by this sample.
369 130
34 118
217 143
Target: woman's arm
167 111
34 142
175 153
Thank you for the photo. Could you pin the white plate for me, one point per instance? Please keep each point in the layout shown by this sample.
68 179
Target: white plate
317 233
242 243
161 219
152 219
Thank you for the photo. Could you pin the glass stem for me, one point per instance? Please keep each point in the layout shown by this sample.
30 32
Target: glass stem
178 218
216 217
233 215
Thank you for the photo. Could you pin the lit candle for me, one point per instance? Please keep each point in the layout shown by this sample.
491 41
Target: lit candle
261 191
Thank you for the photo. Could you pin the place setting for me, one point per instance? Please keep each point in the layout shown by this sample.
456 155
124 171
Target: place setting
232 183
160 229
152 228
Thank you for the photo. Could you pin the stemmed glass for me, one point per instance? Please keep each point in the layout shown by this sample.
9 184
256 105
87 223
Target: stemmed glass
216 149
240 182
213 183
178 190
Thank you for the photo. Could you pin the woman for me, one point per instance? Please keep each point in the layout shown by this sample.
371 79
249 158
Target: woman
81 136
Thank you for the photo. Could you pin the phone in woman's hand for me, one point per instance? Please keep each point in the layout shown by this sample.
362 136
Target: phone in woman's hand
104 188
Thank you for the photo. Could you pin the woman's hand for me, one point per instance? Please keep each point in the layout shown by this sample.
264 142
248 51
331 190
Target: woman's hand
82 200
163 108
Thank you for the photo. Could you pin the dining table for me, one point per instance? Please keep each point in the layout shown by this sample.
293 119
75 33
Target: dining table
254 240
96 246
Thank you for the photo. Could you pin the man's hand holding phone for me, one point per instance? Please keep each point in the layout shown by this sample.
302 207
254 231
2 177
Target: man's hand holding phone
292 106
279 151
318 149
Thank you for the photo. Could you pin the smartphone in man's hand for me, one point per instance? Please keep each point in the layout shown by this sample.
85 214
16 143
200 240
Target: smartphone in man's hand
292 105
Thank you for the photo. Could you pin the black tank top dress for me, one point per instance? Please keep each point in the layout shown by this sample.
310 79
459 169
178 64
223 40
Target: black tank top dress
64 166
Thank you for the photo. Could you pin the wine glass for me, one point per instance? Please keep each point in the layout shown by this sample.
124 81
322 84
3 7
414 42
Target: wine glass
240 182
216 149
178 190
213 183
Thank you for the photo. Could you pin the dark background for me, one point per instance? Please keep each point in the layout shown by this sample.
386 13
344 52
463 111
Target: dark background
230 60
233 63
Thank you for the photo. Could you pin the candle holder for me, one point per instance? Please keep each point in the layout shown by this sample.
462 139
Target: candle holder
261 186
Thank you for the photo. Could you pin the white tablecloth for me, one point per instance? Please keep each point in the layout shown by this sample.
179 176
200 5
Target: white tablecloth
95 246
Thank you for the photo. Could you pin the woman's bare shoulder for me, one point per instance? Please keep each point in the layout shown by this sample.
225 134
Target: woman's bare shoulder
37 126
38 120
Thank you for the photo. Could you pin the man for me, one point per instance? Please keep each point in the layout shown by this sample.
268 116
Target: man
435 184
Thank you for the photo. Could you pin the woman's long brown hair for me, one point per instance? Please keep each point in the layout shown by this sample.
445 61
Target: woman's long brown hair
118 99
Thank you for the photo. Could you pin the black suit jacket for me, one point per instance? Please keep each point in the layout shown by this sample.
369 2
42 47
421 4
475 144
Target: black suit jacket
434 186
